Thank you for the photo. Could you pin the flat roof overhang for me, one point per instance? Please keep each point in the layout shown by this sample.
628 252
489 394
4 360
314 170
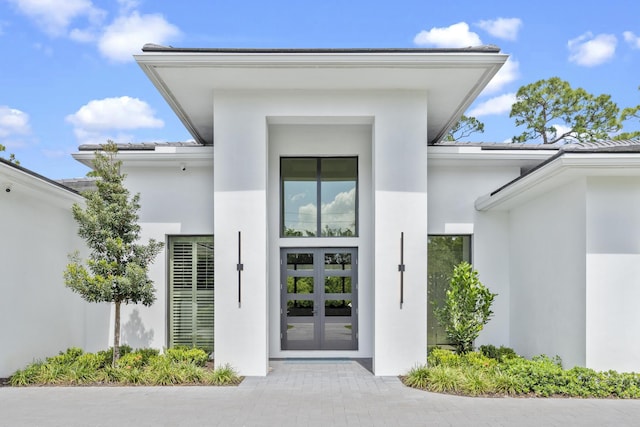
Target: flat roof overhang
559 170
188 78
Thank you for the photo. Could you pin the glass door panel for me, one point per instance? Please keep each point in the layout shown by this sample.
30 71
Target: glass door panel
338 325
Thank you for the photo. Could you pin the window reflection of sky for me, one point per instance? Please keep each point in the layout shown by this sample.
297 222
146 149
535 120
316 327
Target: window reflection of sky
338 200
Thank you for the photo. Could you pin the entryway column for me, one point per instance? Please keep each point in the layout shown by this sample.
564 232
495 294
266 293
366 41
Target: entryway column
240 227
400 183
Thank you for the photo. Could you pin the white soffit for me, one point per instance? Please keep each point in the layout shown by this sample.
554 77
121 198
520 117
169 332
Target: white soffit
187 80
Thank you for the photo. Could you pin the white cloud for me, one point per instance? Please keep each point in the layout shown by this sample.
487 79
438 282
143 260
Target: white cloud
502 28
589 50
127 34
509 72
497 105
127 6
456 35
560 129
97 118
82 22
13 122
337 214
632 39
83 36
340 212
54 16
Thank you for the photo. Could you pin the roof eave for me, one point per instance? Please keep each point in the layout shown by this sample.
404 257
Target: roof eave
564 167
419 60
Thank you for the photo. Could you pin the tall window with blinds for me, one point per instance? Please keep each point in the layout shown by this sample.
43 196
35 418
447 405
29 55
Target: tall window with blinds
191 291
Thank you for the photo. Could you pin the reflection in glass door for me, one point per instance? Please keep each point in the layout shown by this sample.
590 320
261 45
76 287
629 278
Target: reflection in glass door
319 299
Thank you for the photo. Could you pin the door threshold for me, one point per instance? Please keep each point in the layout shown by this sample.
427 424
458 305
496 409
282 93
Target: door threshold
365 362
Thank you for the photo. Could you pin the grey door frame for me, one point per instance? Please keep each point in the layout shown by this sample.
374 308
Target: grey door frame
318 317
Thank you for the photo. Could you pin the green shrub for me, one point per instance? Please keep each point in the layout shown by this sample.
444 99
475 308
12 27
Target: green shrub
109 375
223 375
65 358
497 353
508 384
541 375
186 354
131 375
445 379
26 376
52 372
505 373
191 373
418 377
466 308
441 357
476 382
107 355
131 360
80 374
144 366
163 371
147 354
478 360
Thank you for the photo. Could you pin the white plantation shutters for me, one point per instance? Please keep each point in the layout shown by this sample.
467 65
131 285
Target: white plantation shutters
191 291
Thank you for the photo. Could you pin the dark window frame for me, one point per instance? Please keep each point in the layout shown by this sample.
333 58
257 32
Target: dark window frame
469 250
318 231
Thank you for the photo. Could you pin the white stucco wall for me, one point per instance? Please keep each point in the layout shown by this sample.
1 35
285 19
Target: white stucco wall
39 316
453 190
547 269
397 196
613 273
173 202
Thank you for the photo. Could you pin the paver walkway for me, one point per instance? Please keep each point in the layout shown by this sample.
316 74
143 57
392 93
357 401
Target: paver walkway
296 393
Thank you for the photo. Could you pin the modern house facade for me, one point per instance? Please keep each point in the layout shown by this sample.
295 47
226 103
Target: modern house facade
317 212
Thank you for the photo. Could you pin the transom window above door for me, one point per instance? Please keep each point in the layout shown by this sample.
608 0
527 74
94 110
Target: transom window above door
330 183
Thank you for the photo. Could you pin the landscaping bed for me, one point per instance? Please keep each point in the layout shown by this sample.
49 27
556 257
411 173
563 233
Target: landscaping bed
500 372
143 367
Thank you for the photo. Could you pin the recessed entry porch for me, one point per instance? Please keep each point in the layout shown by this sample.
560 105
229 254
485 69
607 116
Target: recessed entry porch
319 184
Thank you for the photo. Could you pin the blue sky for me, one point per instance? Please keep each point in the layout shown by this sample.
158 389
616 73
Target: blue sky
67 74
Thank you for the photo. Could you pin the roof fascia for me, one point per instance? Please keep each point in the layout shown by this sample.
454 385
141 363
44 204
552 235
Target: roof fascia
160 156
565 166
439 153
15 176
321 59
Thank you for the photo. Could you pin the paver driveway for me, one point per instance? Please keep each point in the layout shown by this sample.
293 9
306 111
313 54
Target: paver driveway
297 393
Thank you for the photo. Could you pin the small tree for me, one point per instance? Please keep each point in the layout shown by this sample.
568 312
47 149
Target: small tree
116 270
464 128
467 307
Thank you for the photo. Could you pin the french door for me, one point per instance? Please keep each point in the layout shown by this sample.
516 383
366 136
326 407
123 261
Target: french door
319 299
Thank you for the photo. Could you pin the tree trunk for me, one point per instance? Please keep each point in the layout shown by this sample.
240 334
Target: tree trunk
116 335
